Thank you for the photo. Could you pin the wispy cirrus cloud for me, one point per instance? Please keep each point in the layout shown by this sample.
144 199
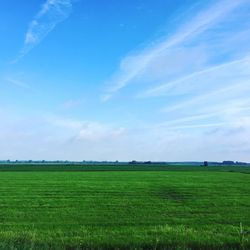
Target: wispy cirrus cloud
216 75
137 65
52 12
17 83
197 79
72 103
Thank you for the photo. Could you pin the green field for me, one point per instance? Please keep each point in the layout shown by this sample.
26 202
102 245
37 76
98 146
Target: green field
124 207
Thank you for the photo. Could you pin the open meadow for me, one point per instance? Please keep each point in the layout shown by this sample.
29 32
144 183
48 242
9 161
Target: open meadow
124 207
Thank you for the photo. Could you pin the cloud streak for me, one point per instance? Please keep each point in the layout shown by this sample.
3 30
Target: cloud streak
50 15
233 70
133 66
17 83
199 74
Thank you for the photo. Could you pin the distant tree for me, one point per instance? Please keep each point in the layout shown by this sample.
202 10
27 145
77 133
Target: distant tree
240 163
228 163
133 162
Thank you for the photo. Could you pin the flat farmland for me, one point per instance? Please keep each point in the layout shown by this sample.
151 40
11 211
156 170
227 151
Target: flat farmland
151 208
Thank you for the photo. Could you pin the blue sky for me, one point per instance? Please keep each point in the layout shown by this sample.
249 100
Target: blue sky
124 80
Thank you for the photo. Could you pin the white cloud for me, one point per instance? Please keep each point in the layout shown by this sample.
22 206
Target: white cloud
71 104
86 130
134 66
213 100
198 78
211 77
17 83
96 131
53 137
51 13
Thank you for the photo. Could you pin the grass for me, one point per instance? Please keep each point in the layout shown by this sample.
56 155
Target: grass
80 207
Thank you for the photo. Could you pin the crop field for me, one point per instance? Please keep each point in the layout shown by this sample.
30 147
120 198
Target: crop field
124 207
